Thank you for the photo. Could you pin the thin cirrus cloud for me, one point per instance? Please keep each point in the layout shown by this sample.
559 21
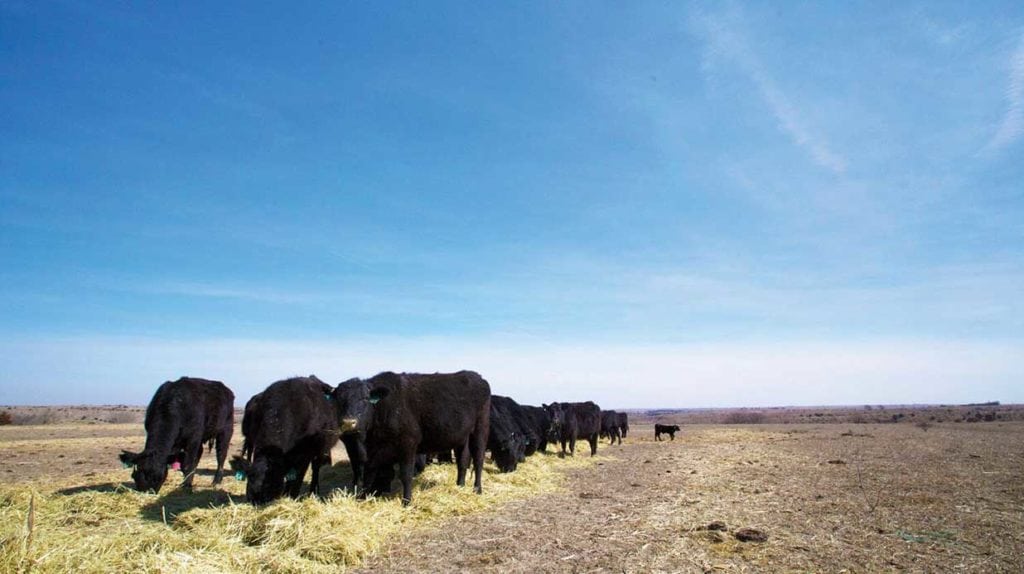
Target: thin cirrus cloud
1012 125
724 40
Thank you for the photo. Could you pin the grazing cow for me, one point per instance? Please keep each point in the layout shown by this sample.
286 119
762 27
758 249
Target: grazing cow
182 416
610 426
527 429
505 438
623 424
413 414
670 430
247 426
539 422
294 425
571 421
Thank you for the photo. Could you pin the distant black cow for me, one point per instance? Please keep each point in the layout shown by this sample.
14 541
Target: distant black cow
571 421
247 426
294 425
670 430
414 414
610 426
623 424
183 415
540 423
506 439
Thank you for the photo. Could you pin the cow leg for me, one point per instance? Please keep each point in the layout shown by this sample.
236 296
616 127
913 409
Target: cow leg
562 454
593 444
407 468
358 465
294 487
314 476
461 465
672 435
189 462
223 442
572 445
479 451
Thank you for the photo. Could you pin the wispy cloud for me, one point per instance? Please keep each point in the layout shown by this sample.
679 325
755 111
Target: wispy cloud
725 40
1012 125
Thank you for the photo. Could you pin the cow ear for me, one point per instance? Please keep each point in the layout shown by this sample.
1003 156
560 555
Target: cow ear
377 394
128 459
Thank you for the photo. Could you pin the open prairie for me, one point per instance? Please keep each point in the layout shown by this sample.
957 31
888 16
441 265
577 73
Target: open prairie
828 498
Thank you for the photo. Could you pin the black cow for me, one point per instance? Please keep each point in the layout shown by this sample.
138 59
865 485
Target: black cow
610 426
540 423
506 439
670 430
247 425
294 425
571 421
183 415
532 435
352 401
623 424
412 414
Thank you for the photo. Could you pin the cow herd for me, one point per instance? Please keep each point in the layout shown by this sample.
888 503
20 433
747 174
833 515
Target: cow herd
391 421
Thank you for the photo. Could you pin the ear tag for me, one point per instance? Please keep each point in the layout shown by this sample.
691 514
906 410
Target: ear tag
126 464
292 475
239 475
374 400
327 396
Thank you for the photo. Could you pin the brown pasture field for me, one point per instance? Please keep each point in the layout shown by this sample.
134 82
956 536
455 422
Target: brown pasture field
842 497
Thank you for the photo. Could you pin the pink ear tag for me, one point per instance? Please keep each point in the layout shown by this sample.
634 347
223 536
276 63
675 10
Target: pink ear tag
175 465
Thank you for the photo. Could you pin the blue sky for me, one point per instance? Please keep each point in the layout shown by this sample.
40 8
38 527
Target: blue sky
647 204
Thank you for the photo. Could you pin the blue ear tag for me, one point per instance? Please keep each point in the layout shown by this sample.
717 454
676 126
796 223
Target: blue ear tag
239 475
374 400
292 475
327 396
126 464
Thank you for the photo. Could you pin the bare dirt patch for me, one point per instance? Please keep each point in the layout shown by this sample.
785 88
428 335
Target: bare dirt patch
907 500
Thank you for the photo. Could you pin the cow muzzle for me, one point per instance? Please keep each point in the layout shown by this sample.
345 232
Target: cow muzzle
348 425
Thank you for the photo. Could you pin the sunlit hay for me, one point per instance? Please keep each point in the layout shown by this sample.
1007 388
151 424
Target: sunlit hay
113 528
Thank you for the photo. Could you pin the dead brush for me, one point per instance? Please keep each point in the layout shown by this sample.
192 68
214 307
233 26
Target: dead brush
120 529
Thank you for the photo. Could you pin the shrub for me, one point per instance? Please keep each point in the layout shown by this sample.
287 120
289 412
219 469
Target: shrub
744 418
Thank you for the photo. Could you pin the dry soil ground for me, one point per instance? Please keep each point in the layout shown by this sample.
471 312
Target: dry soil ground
831 498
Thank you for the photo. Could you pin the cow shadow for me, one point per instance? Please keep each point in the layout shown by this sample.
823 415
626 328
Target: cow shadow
104 487
333 478
167 507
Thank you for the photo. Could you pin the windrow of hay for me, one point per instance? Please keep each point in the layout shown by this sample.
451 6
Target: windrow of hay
113 528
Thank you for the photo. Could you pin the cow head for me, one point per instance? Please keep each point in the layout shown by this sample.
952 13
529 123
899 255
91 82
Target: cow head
508 451
149 471
557 414
353 404
264 481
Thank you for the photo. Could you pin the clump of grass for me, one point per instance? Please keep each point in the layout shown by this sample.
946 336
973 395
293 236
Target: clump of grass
213 530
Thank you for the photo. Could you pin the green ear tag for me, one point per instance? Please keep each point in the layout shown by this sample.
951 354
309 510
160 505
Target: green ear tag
292 475
374 400
327 396
126 464
239 475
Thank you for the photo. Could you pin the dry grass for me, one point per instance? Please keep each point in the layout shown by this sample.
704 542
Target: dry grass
112 528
